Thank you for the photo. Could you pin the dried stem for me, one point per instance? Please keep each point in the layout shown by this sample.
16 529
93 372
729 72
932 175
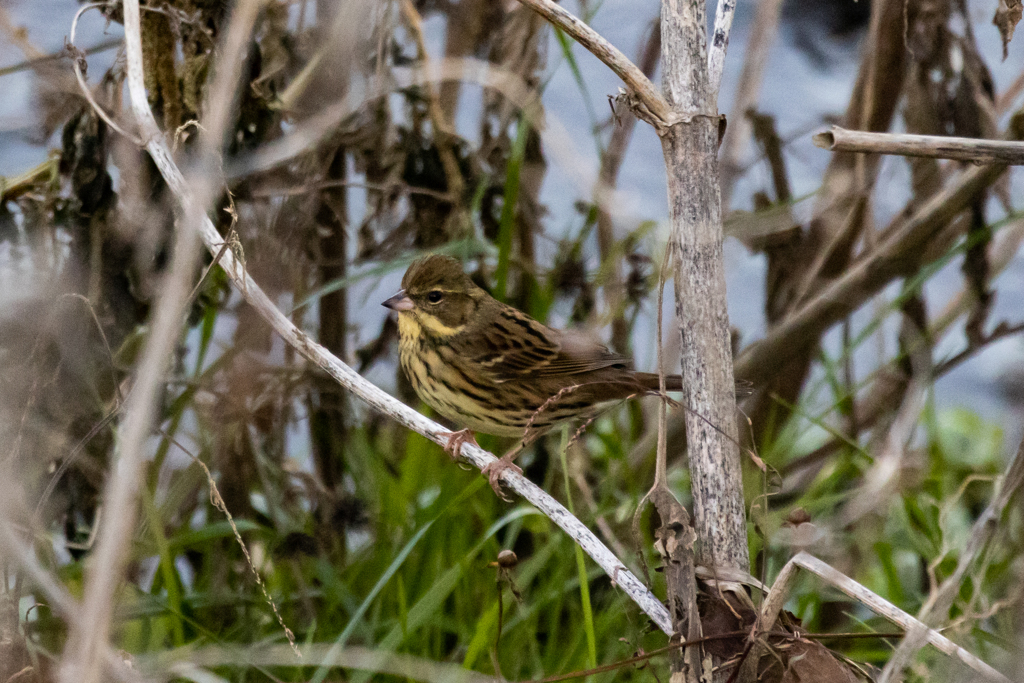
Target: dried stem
660 113
442 134
936 608
690 148
932 146
77 62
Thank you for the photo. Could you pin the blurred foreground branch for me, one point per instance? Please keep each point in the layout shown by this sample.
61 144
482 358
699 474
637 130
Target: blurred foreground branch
90 633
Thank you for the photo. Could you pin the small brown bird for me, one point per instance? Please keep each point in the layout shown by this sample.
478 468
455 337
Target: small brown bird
493 369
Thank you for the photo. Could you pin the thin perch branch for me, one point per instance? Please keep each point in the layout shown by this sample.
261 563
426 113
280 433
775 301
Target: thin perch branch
352 381
930 146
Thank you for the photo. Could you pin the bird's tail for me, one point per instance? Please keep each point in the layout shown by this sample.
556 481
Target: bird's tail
649 381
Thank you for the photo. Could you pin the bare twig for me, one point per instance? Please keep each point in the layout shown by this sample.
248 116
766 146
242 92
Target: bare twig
218 502
54 56
78 60
936 608
932 146
661 113
779 593
719 44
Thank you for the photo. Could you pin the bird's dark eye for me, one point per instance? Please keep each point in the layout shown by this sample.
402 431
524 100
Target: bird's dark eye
434 297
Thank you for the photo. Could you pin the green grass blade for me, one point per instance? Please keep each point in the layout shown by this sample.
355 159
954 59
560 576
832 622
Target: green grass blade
581 566
508 209
321 673
167 570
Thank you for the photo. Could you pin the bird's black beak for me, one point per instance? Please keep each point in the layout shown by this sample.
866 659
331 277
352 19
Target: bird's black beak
399 302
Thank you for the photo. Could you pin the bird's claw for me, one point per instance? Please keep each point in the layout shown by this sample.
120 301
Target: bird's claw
455 441
494 471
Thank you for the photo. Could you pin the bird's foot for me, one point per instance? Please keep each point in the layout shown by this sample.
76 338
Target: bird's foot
455 441
495 469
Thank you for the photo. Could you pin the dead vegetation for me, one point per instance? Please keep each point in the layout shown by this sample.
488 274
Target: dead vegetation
353 144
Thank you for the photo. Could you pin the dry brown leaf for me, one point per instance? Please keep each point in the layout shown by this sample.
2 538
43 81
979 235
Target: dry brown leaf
811 661
804 661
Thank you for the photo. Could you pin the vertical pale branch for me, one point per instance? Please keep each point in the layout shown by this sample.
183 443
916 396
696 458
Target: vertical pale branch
691 160
719 44
89 634
688 123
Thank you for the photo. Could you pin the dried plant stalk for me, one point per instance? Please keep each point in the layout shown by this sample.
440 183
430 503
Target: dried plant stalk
932 146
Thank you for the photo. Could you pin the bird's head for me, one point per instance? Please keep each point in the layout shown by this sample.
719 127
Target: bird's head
437 295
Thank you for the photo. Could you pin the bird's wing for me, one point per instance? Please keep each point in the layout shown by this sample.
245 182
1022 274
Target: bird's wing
516 347
579 352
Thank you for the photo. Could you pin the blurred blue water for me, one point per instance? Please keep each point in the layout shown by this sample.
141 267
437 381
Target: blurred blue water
808 78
